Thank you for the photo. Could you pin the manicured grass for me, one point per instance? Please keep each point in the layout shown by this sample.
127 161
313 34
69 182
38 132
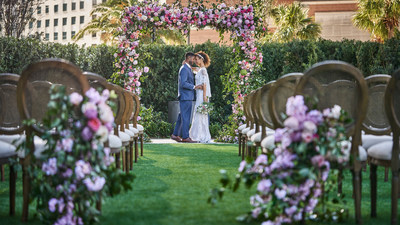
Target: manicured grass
172 187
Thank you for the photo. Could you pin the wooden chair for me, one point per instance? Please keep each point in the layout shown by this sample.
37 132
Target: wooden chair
114 142
377 130
10 124
249 121
131 122
283 89
32 99
252 145
339 83
265 138
387 153
242 127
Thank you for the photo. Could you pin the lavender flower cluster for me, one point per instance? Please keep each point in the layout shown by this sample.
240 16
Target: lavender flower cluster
291 174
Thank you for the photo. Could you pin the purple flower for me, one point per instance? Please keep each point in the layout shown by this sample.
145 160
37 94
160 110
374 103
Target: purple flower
67 173
310 127
264 186
256 212
87 134
318 160
146 69
93 95
96 184
279 134
242 166
61 205
52 204
291 210
291 123
315 116
268 222
286 141
67 144
295 107
75 98
280 193
90 110
82 168
50 168
261 159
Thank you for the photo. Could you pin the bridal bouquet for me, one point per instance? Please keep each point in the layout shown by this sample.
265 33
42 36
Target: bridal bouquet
76 168
205 108
291 176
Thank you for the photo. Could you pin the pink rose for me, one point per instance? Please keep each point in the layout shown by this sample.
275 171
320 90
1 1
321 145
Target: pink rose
94 124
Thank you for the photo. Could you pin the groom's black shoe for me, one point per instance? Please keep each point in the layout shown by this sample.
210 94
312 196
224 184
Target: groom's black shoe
176 138
189 140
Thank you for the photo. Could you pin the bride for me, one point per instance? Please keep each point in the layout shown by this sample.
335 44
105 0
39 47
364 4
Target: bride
199 130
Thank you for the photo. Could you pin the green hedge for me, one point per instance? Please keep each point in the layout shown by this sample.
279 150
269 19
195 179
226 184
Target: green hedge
160 86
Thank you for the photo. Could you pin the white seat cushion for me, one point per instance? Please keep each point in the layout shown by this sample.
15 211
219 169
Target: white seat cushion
268 142
7 150
130 133
256 137
241 127
115 143
244 131
139 127
9 138
124 137
368 140
381 151
362 153
134 130
40 146
251 132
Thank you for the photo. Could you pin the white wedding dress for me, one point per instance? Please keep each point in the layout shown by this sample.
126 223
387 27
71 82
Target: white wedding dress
199 131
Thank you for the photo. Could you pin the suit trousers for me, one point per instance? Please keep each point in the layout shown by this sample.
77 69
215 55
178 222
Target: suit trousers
183 121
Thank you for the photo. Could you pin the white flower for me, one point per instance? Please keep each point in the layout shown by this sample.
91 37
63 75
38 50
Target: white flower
336 111
102 132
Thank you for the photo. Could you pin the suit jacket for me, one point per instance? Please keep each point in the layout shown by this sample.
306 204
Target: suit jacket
186 84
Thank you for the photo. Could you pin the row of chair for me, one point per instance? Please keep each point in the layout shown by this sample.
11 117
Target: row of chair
372 103
26 96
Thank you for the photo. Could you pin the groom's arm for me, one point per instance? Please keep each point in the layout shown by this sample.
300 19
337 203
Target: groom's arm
184 79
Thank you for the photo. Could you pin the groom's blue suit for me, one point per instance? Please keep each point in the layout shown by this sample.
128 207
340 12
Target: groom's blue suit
185 96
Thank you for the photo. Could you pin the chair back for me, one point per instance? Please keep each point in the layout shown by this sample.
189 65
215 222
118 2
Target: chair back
283 89
254 108
376 121
136 108
36 80
96 81
249 112
392 108
245 103
119 102
10 120
263 106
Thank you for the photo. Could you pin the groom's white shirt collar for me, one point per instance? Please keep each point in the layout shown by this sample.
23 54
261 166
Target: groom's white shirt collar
188 65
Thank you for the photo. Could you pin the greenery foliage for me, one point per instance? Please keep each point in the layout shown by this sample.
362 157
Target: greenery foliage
160 85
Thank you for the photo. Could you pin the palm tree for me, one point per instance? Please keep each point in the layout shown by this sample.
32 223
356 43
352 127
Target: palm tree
379 17
107 18
293 23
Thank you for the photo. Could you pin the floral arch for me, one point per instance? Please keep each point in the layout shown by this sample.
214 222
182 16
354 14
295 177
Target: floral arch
240 22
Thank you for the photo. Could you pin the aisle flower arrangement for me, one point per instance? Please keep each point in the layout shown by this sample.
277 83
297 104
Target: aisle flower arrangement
76 169
290 177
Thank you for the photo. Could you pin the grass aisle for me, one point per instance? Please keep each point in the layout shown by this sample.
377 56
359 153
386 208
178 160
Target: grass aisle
172 186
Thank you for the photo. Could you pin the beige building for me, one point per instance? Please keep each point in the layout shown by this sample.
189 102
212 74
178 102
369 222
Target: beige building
59 20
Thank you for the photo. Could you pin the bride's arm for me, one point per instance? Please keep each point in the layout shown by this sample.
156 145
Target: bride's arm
205 99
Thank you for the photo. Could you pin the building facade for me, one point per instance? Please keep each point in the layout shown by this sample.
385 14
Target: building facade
59 20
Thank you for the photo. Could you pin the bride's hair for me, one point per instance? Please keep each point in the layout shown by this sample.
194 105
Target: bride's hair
206 59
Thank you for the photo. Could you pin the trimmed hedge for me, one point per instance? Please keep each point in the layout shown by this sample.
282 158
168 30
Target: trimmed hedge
160 85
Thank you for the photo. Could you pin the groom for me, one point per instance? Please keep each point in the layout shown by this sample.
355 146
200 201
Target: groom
186 90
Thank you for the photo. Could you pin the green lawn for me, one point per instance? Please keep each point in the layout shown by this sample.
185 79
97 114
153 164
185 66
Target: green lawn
172 186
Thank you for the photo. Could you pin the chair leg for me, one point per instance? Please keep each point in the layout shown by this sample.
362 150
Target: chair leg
395 187
117 160
357 195
25 190
373 178
98 204
141 144
240 143
2 173
13 179
127 162
386 174
243 147
340 181
123 160
131 156
136 150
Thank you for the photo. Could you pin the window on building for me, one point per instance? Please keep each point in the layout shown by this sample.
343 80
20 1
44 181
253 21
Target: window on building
39 23
73 20
46 36
55 8
39 10
81 19
103 1
55 22
47 23
73 6
47 9
94 34
55 36
65 7
30 25
81 4
64 37
94 2
72 34
64 21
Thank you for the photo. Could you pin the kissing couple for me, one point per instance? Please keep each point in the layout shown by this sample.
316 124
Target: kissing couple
190 87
